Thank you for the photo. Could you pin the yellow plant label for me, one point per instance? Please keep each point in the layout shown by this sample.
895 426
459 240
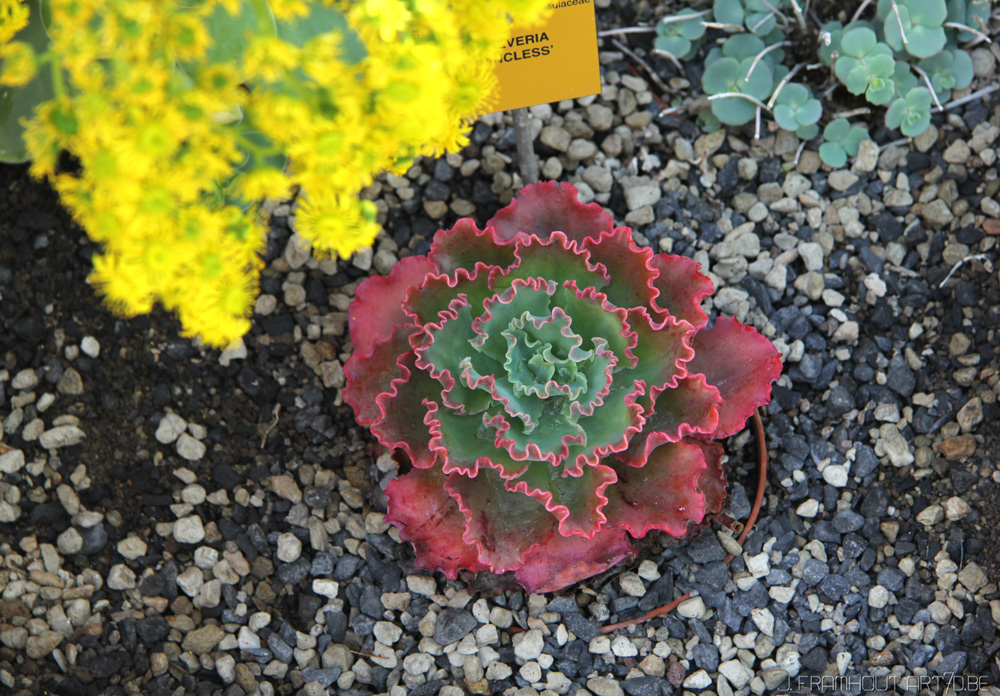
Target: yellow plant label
551 61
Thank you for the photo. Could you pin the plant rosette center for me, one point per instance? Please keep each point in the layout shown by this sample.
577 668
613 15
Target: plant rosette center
555 390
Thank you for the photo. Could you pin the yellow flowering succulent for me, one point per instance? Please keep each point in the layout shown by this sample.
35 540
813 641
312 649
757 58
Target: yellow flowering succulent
184 115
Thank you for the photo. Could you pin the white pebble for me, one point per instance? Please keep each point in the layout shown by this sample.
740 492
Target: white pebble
189 530
170 428
189 448
289 547
528 645
326 588
132 547
90 346
121 577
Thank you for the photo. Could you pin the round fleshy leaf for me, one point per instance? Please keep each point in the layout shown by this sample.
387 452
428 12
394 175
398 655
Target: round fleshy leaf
728 11
807 132
721 76
858 42
691 29
896 22
741 364
833 154
743 46
961 69
677 46
853 139
837 129
784 115
761 79
925 41
929 13
809 112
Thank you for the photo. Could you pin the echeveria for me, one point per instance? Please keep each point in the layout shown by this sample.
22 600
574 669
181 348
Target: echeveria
555 390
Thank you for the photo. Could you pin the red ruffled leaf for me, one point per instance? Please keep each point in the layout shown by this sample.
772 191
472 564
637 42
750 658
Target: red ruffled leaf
371 374
713 480
549 206
682 287
543 257
564 561
501 525
465 245
435 293
690 408
430 519
575 501
662 491
661 349
741 364
403 412
378 305
629 267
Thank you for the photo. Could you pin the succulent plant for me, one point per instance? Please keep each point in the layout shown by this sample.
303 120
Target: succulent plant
948 70
731 75
842 140
758 16
914 26
866 66
974 14
796 110
910 114
680 37
554 388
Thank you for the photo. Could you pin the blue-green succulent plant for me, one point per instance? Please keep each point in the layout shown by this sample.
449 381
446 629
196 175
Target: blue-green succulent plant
842 140
680 38
911 114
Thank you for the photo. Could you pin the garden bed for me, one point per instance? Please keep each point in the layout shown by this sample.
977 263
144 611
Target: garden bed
180 520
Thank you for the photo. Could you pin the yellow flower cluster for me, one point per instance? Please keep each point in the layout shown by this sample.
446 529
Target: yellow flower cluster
184 115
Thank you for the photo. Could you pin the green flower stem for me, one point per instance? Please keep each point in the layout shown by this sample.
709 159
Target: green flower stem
727 95
781 85
720 25
681 18
899 21
965 27
930 87
671 57
798 14
763 53
857 12
863 111
265 21
58 86
625 30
